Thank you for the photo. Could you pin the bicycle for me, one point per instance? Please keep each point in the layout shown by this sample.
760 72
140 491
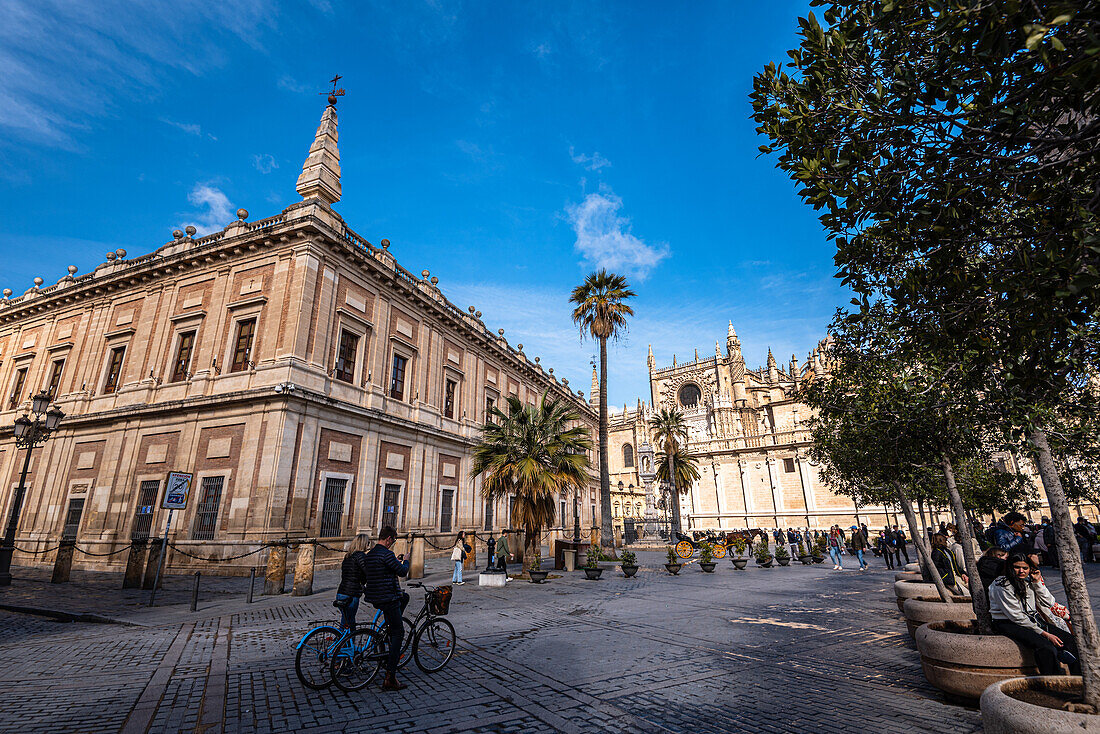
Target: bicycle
312 661
356 662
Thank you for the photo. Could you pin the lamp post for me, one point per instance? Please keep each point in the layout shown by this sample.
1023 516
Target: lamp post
28 434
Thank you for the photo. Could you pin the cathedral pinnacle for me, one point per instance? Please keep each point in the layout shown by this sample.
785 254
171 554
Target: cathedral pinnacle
650 361
320 178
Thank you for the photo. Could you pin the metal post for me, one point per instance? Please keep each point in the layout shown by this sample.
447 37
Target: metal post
489 553
195 592
8 548
251 583
160 563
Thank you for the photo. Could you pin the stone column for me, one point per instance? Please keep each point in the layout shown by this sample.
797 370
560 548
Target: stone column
64 562
152 560
416 558
303 569
596 535
275 577
471 557
135 564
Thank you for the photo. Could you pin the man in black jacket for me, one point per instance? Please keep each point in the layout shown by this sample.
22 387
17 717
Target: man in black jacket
900 539
384 592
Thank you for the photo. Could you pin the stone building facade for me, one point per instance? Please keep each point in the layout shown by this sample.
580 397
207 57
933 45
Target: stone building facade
313 386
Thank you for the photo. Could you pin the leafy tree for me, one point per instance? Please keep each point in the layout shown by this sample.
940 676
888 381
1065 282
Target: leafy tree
671 436
954 152
600 311
533 453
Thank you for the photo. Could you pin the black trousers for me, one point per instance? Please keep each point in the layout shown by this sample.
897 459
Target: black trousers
392 612
886 554
1046 653
902 548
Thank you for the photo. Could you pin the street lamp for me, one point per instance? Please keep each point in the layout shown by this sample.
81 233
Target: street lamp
28 434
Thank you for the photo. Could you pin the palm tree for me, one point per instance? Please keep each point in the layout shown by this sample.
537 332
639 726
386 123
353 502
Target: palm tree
600 312
670 435
532 453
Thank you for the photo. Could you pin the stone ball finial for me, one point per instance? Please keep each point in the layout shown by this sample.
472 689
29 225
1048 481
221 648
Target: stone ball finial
477 313
177 234
332 100
435 280
519 347
565 381
385 244
580 393
190 230
551 370
38 282
537 359
7 293
72 269
424 274
471 309
242 214
500 331
111 257
121 253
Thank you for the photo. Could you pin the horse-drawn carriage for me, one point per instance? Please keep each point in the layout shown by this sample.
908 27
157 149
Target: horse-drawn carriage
686 546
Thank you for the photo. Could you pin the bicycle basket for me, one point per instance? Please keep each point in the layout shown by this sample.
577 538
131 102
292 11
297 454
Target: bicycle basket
440 600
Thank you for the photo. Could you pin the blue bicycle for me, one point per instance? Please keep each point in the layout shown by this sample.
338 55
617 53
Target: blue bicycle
313 659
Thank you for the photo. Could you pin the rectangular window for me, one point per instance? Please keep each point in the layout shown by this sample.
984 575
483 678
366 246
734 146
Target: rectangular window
389 505
561 514
397 377
446 511
449 398
488 514
56 369
490 403
143 514
17 388
345 357
511 512
114 370
72 519
206 517
788 465
332 508
181 368
242 349
595 515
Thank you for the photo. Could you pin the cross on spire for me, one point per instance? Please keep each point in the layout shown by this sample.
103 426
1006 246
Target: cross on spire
332 95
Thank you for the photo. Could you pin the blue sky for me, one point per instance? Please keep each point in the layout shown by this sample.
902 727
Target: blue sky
508 147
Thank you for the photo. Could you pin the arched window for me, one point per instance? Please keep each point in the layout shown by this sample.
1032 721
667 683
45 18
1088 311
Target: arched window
690 395
615 507
628 456
638 509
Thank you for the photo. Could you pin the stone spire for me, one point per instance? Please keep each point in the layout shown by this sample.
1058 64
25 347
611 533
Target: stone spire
594 396
650 361
320 177
733 346
773 368
795 372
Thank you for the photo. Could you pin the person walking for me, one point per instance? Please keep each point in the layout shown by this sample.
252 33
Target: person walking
885 548
900 540
502 554
836 542
859 544
382 568
1086 537
458 555
353 574
1015 602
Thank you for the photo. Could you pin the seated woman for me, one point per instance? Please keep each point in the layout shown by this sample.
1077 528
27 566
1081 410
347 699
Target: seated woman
1016 601
954 579
992 564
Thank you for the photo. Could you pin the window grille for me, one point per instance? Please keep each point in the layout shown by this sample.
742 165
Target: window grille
143 513
206 518
72 519
332 507
446 511
389 505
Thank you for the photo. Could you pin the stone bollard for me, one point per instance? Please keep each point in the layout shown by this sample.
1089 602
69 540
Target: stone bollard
275 576
64 562
303 569
471 557
152 561
416 558
135 564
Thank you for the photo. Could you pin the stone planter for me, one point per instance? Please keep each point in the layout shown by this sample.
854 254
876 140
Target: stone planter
909 589
592 574
921 609
628 570
537 577
908 576
765 564
707 567
806 559
912 567
818 559
1003 711
740 563
783 561
673 568
963 665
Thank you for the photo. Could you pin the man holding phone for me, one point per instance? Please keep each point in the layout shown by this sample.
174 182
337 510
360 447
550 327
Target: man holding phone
384 592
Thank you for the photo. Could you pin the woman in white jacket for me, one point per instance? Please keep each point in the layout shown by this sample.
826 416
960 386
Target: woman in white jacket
458 555
1016 603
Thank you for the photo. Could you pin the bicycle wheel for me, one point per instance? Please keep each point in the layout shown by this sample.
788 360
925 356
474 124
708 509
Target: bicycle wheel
407 643
311 662
684 549
434 645
357 660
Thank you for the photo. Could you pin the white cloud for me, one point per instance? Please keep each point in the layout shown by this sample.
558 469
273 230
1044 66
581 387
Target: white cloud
604 239
264 162
190 128
219 212
543 50
592 162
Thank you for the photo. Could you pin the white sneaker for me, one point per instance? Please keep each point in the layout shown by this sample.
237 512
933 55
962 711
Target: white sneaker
508 580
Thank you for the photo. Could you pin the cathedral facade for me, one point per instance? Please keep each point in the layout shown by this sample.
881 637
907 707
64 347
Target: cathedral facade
749 436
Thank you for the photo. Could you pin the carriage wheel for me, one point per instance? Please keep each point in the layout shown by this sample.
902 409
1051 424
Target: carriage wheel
719 550
684 549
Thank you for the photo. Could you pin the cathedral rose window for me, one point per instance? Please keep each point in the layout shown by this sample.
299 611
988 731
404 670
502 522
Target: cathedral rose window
690 395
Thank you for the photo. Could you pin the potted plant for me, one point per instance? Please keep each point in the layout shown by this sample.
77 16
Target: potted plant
673 566
592 570
628 563
536 574
706 558
819 549
739 545
782 555
803 555
763 556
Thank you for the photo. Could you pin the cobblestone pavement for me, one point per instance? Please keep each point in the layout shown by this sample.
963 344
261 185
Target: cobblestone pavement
764 650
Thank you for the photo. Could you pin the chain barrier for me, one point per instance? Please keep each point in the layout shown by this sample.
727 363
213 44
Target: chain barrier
103 555
36 553
176 548
437 547
328 547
